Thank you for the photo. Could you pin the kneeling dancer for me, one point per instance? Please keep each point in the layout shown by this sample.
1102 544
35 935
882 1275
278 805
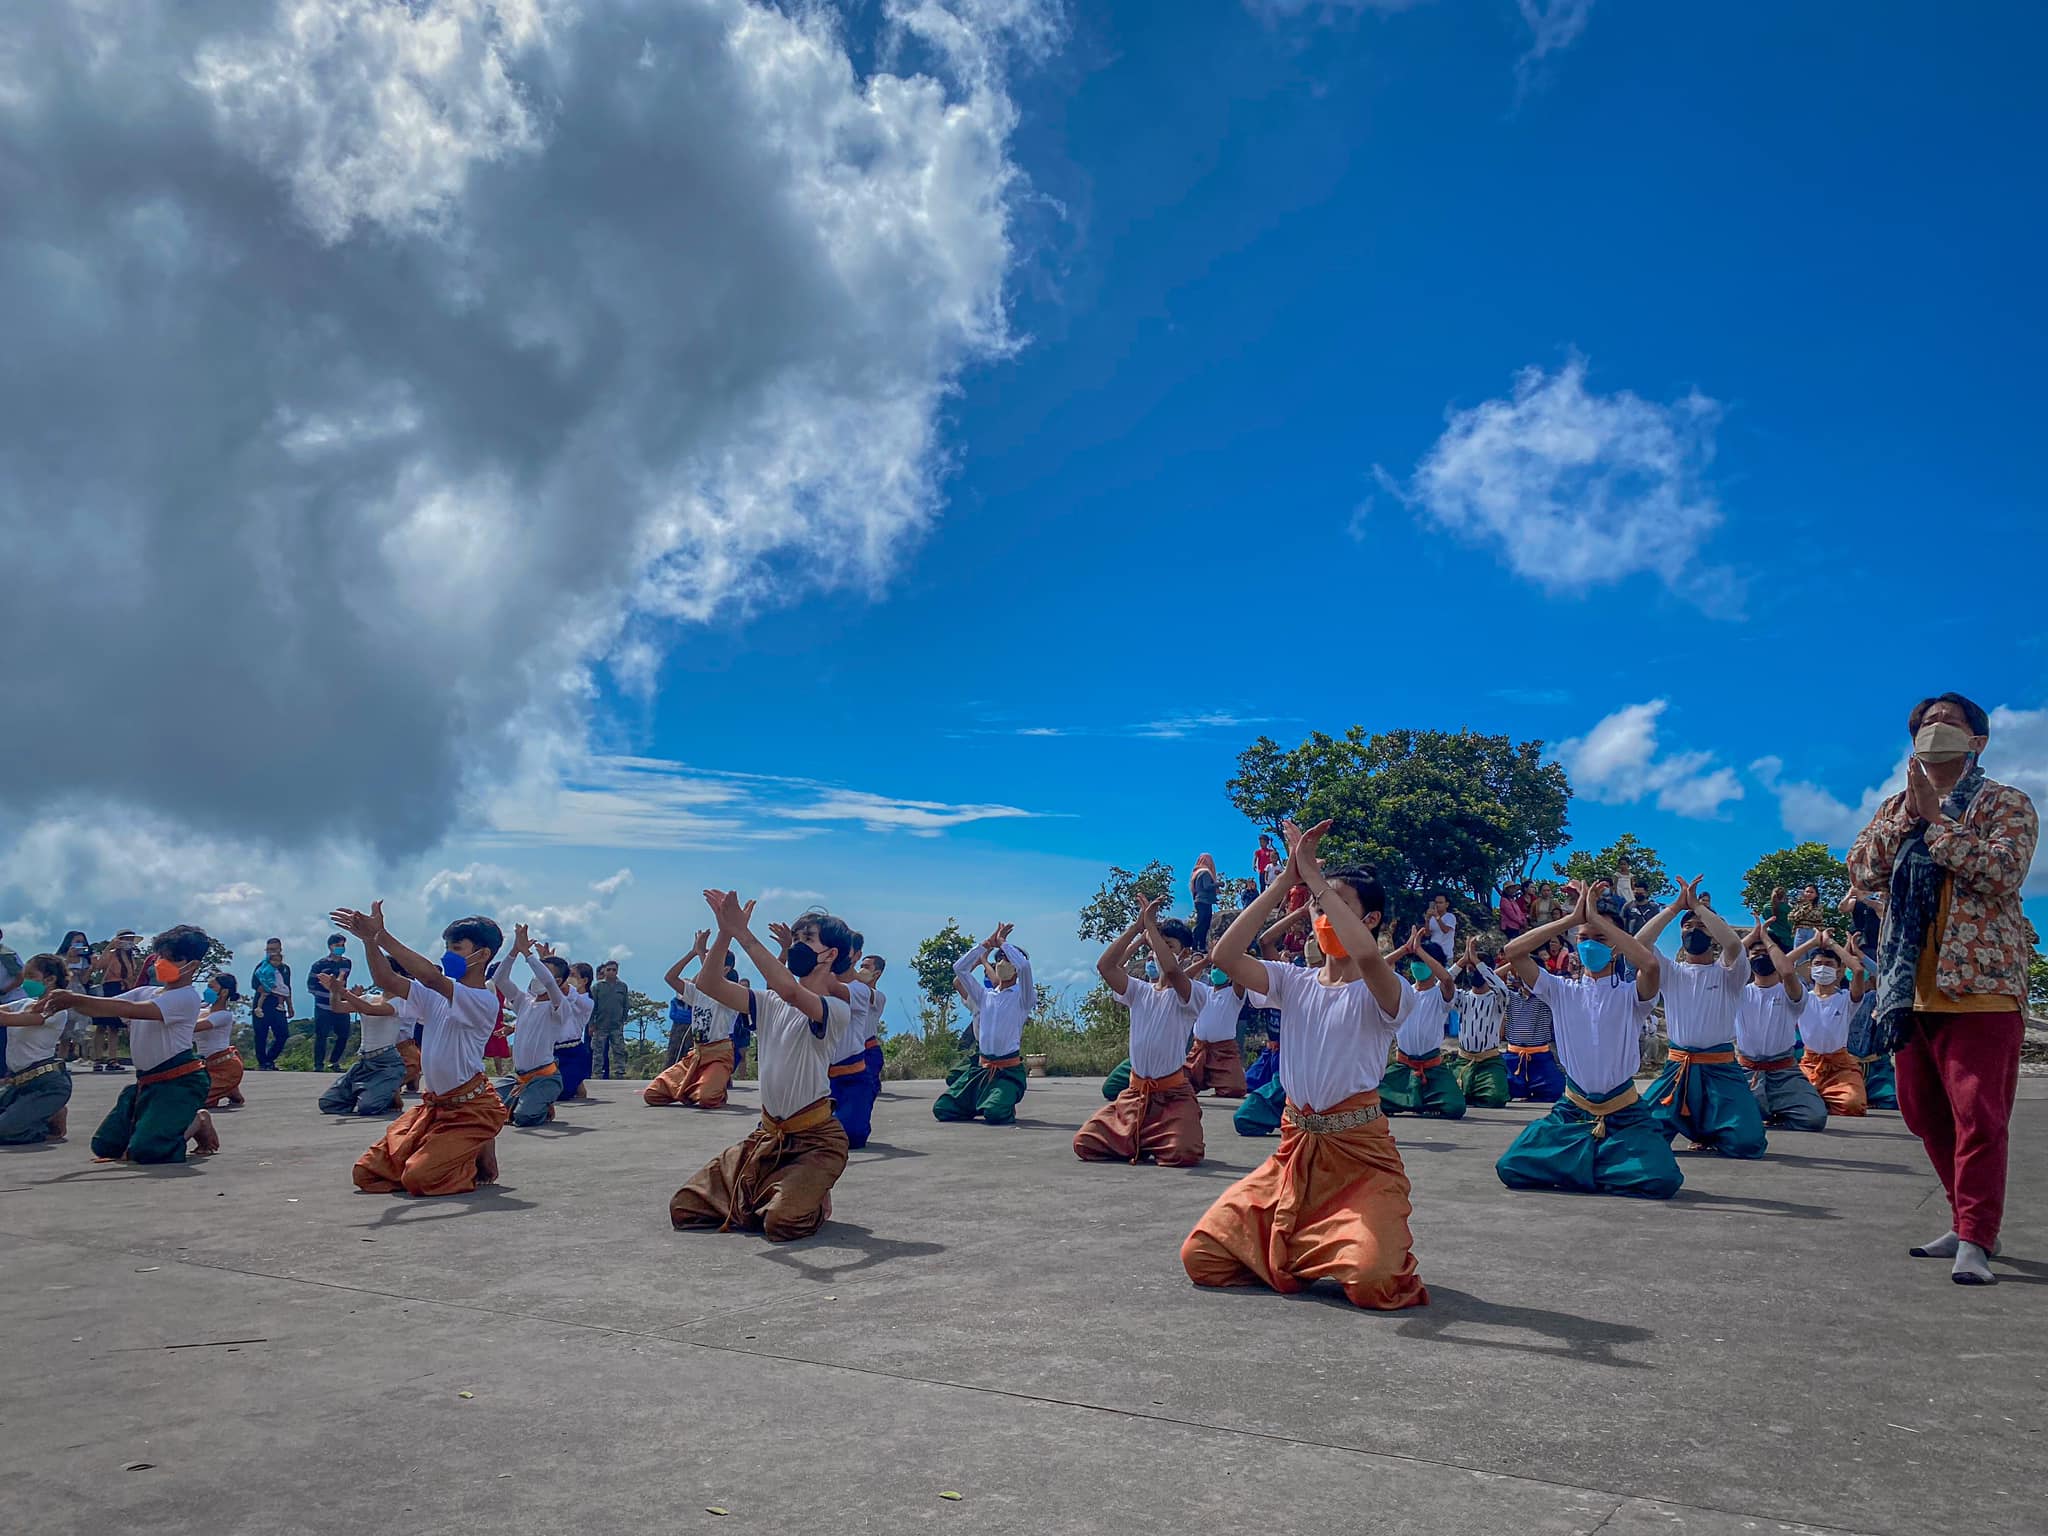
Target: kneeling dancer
991 1080
1834 1070
1419 1082
35 1091
1156 1115
1599 1137
700 1075
778 1181
1701 1093
1331 1203
1767 1038
529 1094
447 1143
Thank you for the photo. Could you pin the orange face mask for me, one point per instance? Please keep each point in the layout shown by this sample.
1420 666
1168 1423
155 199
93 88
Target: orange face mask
1326 937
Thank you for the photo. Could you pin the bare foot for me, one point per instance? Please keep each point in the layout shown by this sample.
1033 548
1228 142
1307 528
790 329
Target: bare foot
205 1139
60 1123
487 1164
236 1100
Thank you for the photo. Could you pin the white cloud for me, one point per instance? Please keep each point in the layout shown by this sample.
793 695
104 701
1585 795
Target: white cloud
883 813
2017 754
553 922
1572 489
775 893
453 340
1553 27
1177 726
470 884
1618 763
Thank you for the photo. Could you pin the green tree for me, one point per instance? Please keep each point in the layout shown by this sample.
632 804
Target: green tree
1791 868
1641 859
641 1011
933 962
1430 810
1115 903
2037 982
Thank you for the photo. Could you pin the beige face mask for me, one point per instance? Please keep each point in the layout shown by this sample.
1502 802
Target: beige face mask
1942 743
1004 972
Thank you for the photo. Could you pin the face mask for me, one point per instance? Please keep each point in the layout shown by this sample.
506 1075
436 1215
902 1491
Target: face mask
1826 975
802 959
1218 977
1418 971
213 994
337 949
1761 965
1594 955
1941 743
34 988
1698 941
167 972
1004 971
1326 937
1151 971
453 966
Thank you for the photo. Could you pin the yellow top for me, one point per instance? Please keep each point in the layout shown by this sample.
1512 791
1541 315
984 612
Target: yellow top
1927 997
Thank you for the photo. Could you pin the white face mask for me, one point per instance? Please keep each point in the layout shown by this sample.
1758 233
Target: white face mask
1939 743
1826 975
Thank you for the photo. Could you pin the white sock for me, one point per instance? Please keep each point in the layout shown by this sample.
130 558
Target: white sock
1973 1266
1943 1247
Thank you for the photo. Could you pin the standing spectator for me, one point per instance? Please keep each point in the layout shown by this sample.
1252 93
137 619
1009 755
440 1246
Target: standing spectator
1639 911
328 1021
270 1012
1441 923
1266 859
1807 916
1542 904
10 974
1952 850
609 998
1514 909
1202 891
1866 918
120 971
1779 924
76 954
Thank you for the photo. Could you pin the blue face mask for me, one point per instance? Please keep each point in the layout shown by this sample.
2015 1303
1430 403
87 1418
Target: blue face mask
1151 971
453 966
1594 955
213 994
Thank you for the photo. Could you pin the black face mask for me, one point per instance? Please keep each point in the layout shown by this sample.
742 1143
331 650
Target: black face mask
802 959
1762 965
1698 941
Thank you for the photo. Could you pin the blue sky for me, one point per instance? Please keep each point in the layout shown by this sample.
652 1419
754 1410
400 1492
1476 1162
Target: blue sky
1655 397
1287 251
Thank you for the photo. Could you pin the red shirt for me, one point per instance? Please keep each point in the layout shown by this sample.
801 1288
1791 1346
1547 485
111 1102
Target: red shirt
1265 858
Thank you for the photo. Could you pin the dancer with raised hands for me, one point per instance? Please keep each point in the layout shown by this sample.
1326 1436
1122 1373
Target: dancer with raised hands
1155 1116
702 1075
1701 1093
1482 1007
778 1180
1599 1137
1419 1082
1332 1202
989 1082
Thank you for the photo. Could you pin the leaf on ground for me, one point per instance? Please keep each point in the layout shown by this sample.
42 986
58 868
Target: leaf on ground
465 1394
713 1509
949 1495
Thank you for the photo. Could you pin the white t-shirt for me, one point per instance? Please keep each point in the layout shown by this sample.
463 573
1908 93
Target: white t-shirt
1768 1022
1217 1009
379 1034
151 1043
1337 1037
712 1019
453 1033
1824 1026
1423 1023
540 1012
215 1031
1700 1001
1599 1029
1444 931
851 1038
793 1059
29 1044
1160 1022
575 1018
998 1018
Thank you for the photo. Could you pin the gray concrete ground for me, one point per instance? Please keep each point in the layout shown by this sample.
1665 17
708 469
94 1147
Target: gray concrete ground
986 1315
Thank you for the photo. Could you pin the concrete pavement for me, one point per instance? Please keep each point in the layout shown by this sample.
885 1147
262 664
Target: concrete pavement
987 1315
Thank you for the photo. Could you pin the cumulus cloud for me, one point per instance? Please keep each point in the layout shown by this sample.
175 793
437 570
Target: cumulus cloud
1573 489
1618 762
385 371
2017 755
558 921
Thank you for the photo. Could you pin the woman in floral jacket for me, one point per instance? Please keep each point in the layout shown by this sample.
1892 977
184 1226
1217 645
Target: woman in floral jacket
1952 850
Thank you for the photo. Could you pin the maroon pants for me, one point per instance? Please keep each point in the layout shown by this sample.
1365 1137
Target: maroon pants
1957 1073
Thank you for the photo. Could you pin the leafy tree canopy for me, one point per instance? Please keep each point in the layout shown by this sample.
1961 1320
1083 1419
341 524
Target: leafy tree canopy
1791 868
933 962
1115 903
1644 865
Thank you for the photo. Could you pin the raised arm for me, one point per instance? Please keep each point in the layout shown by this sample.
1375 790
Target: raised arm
1648 963
1781 963
1169 968
1027 989
356 1000
779 979
1110 966
1651 931
1272 934
1525 944
1446 984
711 978
377 944
1352 932
1231 954
699 949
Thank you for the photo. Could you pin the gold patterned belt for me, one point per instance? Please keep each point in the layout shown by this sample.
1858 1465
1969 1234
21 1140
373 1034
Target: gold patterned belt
1324 1125
476 1087
30 1074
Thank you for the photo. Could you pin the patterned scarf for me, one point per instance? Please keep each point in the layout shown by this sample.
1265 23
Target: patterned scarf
1909 921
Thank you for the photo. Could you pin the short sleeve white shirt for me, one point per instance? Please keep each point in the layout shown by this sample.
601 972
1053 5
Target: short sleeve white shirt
152 1043
1160 1022
1824 1026
33 1043
215 1030
1599 1029
850 1037
453 1032
713 1020
1700 1001
1216 1010
1768 1022
1424 1021
793 1058
1337 1037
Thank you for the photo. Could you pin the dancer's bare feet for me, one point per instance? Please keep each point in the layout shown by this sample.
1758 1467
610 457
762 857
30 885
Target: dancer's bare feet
205 1139
60 1125
487 1164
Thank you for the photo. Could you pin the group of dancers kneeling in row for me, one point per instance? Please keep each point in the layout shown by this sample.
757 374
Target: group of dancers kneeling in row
1331 1202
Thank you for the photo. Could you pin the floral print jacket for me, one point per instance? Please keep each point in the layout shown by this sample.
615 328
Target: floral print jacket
1985 943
